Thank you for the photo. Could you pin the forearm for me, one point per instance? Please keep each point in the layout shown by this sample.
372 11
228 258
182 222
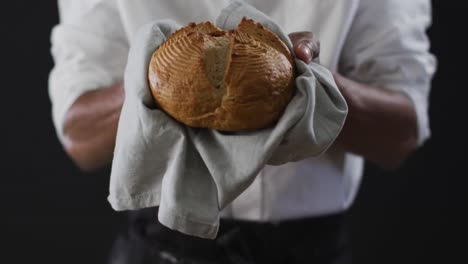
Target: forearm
381 124
90 127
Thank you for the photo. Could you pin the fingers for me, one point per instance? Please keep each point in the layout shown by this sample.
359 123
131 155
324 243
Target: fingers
306 46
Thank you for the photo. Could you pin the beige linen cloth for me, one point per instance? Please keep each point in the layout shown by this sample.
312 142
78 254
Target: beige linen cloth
192 174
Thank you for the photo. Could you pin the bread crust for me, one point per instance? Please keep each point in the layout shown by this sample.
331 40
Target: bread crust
239 80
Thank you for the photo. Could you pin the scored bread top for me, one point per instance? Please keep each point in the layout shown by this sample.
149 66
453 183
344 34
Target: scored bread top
234 80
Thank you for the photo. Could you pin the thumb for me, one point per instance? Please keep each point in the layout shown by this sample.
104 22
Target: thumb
303 52
306 46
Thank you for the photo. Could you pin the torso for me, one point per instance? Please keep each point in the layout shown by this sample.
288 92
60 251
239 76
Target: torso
306 188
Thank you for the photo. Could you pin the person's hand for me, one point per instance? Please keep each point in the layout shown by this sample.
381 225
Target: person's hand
306 46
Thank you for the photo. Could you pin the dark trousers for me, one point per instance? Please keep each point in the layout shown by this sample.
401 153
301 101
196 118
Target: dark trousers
322 240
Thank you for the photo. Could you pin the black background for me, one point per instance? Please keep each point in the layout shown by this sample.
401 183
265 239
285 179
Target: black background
53 213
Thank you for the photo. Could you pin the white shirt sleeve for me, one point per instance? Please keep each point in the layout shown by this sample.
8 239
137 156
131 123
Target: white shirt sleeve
89 49
387 46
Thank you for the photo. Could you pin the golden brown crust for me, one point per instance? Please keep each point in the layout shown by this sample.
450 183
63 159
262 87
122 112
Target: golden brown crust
230 81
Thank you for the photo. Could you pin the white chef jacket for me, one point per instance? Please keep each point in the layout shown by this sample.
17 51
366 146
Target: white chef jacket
381 42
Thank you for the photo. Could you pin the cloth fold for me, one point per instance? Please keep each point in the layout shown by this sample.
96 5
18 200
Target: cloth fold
191 173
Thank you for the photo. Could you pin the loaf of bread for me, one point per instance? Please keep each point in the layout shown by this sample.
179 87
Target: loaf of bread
238 80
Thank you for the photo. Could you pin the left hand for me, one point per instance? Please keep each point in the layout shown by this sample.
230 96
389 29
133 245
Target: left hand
306 46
